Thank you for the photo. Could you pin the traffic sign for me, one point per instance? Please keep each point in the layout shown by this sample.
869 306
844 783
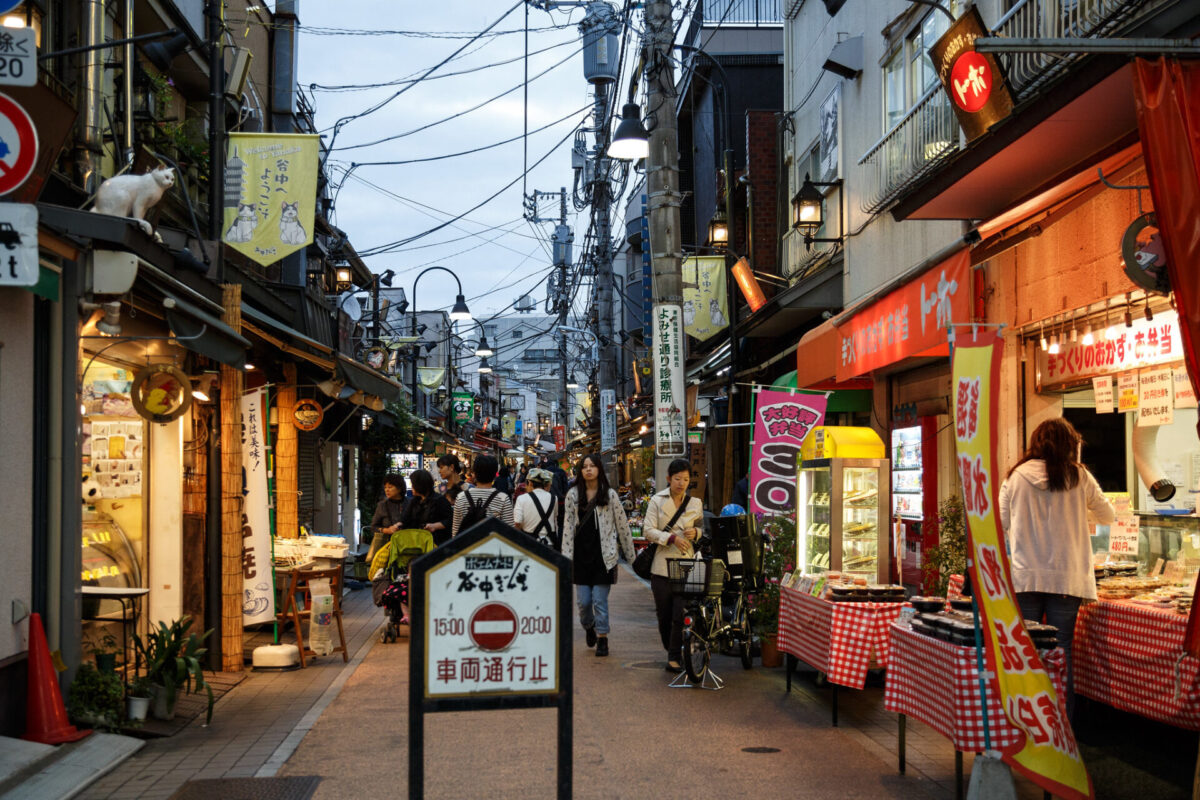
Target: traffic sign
493 626
18 57
18 145
8 5
18 244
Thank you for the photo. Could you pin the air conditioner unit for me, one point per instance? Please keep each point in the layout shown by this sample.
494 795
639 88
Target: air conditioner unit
525 303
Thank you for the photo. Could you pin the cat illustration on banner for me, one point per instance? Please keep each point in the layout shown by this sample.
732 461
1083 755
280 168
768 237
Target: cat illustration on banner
133 195
290 229
242 229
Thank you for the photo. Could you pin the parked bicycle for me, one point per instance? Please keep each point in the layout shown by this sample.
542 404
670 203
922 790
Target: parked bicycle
716 615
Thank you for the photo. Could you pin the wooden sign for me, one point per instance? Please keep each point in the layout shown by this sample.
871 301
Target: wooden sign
307 414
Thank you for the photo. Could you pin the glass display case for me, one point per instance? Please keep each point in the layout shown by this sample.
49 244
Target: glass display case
842 517
906 473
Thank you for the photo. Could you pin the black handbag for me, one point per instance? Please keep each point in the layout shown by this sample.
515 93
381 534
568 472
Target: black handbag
644 561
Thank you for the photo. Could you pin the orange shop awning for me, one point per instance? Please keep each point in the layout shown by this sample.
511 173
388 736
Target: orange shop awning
816 355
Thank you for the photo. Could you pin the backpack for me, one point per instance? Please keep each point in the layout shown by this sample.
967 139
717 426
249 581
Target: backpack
476 513
544 524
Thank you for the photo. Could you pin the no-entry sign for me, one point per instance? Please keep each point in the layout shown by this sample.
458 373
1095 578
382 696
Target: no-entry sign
493 626
18 145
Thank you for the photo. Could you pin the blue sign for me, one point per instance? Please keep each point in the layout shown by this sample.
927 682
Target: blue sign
6 7
519 429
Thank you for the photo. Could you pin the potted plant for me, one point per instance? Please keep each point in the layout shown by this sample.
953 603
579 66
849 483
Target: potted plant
95 698
949 556
137 698
172 657
104 647
779 556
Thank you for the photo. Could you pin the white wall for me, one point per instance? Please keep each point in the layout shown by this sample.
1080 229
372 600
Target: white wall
165 533
16 443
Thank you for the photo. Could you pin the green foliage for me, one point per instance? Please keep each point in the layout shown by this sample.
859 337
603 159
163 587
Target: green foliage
103 644
96 697
949 557
779 556
139 686
172 658
377 442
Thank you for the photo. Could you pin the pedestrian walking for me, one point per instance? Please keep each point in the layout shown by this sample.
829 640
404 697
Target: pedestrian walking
504 480
673 521
1045 503
451 471
536 511
427 509
594 527
388 513
482 500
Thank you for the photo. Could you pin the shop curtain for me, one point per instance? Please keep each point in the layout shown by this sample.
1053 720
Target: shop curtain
1167 92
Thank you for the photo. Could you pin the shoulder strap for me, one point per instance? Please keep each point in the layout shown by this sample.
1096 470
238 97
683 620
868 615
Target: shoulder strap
678 512
543 513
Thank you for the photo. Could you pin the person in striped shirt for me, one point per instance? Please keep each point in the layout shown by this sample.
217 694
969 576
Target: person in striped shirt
482 500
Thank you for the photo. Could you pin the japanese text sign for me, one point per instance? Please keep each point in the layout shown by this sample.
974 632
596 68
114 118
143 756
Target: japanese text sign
462 406
782 420
1127 392
974 81
1145 344
670 432
1048 754
1123 537
910 321
1156 406
1102 388
491 622
1185 395
270 194
608 419
258 597
704 296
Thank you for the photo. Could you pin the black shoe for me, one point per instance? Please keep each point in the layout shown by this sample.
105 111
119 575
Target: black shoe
590 633
602 647
673 668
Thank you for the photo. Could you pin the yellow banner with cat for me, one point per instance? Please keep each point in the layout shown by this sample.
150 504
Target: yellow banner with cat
270 193
705 312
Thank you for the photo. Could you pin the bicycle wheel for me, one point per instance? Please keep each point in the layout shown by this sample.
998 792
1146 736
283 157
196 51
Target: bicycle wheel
747 635
695 656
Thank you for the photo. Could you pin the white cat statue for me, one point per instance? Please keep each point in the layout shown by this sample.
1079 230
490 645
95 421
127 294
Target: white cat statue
290 229
242 229
134 195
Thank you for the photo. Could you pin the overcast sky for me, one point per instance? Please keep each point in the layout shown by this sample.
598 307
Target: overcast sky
493 250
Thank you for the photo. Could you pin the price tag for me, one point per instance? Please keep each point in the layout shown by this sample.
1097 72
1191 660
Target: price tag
1127 391
1158 567
1123 538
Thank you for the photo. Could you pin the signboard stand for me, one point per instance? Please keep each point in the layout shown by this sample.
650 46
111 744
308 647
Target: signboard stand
482 597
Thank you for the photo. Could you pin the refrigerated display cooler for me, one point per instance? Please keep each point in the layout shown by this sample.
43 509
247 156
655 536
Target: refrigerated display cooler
843 508
906 473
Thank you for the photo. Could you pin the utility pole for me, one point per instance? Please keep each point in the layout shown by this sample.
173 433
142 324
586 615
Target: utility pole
662 184
557 295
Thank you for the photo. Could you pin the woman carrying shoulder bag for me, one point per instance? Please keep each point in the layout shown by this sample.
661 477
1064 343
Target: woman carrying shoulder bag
674 521
594 527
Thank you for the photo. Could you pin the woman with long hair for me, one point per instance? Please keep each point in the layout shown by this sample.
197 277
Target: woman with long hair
674 521
427 509
1045 503
594 527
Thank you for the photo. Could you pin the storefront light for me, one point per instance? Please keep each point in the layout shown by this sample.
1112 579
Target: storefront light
1053 349
1088 339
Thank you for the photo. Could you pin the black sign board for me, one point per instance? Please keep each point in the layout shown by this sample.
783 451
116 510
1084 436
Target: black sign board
977 87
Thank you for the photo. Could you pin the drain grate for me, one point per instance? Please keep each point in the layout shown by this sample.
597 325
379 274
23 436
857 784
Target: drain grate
760 749
297 787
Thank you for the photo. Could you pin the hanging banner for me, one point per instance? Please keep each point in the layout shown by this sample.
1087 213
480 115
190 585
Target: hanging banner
270 193
430 378
258 598
1048 754
560 438
705 310
462 405
508 426
911 321
670 434
608 419
782 420
1143 344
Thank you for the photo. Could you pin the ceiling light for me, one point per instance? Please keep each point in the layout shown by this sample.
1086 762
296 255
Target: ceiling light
14 21
249 367
1088 339
630 141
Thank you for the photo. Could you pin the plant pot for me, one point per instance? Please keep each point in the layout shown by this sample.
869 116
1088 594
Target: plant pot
136 707
106 663
160 708
771 657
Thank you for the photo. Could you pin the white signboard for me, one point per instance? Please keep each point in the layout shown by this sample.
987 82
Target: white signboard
258 598
670 435
491 623
1103 389
608 419
1155 403
1127 392
1185 395
1123 538
18 244
1144 344
18 57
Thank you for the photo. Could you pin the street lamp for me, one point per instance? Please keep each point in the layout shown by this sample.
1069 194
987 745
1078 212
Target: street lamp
572 383
630 140
484 367
808 211
718 230
458 312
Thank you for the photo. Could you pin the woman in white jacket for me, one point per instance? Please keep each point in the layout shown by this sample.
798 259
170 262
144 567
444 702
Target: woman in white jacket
1044 507
674 536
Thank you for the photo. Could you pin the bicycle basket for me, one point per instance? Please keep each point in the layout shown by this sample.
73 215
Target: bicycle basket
695 578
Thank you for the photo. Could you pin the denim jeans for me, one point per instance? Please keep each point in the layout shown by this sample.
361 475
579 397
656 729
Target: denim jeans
1059 610
593 607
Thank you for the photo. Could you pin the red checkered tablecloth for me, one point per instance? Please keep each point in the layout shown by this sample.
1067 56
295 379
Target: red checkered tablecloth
838 639
1131 657
938 683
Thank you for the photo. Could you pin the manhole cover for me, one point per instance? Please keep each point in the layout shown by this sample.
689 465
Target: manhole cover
760 749
654 665
297 787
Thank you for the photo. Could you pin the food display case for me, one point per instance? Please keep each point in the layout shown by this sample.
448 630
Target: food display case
906 473
842 517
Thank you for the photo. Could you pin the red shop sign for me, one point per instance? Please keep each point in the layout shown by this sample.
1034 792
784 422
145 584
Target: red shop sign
911 321
560 438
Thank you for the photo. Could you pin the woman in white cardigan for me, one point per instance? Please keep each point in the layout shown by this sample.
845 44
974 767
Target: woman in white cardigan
674 540
1045 503
594 527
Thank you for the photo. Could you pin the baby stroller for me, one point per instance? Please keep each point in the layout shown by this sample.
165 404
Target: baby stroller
389 577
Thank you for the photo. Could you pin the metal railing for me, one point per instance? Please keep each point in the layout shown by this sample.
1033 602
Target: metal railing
929 134
742 12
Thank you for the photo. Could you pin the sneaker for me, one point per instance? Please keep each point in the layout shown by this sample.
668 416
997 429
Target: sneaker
590 633
602 647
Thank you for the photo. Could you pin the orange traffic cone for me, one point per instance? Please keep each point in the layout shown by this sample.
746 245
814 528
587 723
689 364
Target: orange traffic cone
45 715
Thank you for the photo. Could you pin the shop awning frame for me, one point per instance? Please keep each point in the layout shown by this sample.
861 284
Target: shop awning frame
202 333
274 333
367 380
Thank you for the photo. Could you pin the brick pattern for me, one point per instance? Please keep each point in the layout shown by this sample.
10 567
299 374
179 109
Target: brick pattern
762 148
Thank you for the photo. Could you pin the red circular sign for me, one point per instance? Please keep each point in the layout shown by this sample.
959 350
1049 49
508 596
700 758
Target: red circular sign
971 81
18 145
493 626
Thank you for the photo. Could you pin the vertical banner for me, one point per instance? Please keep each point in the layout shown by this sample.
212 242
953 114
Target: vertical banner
258 599
781 421
670 435
462 406
608 419
560 438
705 311
270 194
1048 754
